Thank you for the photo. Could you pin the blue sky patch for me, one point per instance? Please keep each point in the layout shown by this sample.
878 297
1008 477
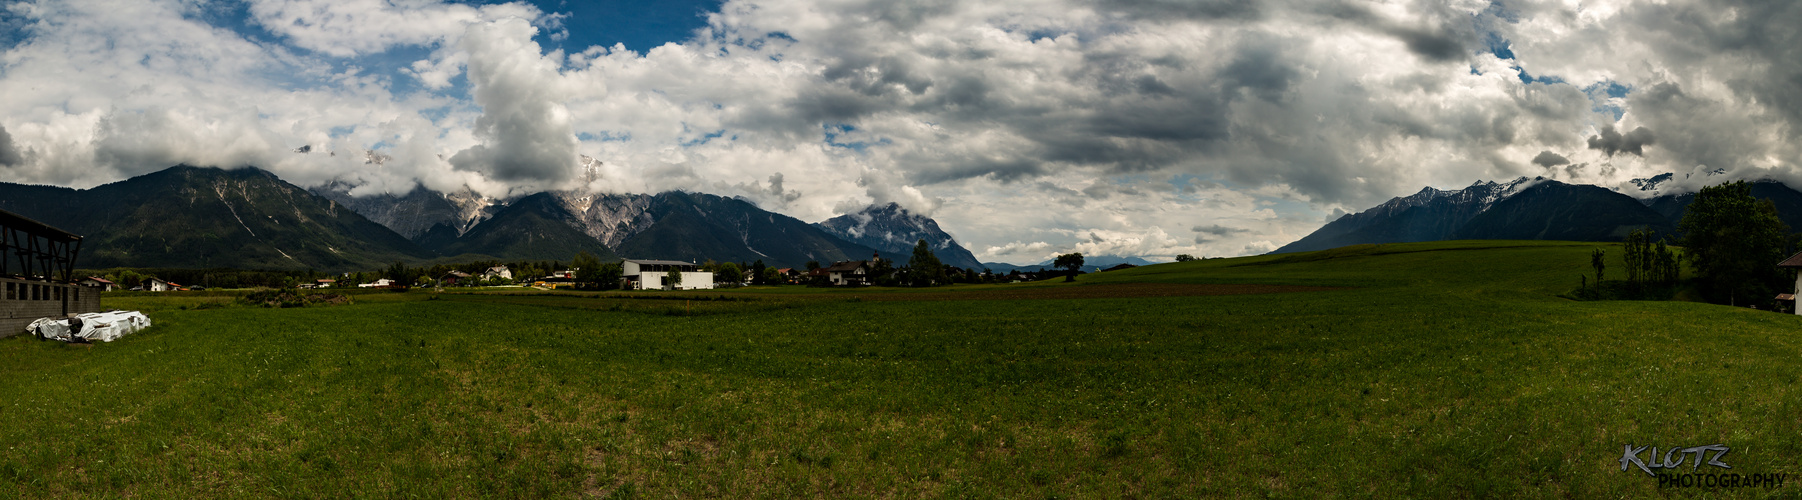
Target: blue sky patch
604 136
640 25
1498 46
834 130
705 137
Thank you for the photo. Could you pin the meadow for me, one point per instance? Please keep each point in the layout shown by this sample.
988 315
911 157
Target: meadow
1450 369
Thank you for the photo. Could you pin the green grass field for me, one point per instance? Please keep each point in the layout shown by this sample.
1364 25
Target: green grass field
1410 370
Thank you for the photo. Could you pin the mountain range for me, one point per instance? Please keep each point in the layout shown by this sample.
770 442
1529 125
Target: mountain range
248 218
207 217
1527 209
895 232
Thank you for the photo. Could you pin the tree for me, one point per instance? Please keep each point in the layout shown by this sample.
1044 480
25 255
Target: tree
1733 242
400 273
1070 263
924 269
1184 257
729 272
813 264
1599 261
882 272
1664 267
1637 251
673 278
588 270
771 276
756 273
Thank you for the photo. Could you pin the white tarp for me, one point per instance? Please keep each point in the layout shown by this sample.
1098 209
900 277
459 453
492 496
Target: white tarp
106 326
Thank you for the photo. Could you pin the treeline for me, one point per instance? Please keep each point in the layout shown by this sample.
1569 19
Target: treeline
1731 243
401 273
210 278
590 272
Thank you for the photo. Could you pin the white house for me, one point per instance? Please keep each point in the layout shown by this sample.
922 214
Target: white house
97 282
497 272
158 285
1793 262
378 283
643 274
855 272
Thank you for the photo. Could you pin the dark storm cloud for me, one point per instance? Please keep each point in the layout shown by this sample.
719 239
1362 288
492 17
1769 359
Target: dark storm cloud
1215 232
1549 159
9 152
1610 142
1186 9
1262 69
1218 230
1442 35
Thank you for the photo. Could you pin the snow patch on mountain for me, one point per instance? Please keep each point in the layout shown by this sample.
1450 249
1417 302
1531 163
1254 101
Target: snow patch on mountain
895 230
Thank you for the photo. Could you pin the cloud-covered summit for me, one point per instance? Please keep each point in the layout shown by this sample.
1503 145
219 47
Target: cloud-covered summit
1026 127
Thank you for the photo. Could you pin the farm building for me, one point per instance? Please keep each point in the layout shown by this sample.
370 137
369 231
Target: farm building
381 283
453 277
37 267
644 274
497 272
1793 262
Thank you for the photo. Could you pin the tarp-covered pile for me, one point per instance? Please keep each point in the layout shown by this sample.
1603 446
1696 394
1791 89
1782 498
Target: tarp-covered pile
89 327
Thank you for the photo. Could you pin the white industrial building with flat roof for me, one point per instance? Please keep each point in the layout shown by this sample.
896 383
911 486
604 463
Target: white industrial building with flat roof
645 274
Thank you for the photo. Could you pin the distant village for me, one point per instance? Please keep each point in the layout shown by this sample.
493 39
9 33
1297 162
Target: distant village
586 273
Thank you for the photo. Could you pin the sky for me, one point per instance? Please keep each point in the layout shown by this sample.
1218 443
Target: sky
1026 128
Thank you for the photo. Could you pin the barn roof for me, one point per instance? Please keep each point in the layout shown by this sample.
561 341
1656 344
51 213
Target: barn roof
660 262
840 267
1792 261
35 228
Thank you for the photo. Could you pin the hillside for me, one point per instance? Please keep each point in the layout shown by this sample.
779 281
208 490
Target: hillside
1429 215
191 217
1520 209
698 227
1787 200
1559 211
535 227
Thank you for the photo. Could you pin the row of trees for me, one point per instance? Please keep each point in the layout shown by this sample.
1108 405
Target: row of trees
924 269
1731 240
212 278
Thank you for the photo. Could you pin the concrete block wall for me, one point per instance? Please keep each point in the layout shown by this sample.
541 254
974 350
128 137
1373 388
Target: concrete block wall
24 301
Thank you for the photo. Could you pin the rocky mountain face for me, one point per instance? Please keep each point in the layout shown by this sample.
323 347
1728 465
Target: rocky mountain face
1522 209
207 217
538 227
895 231
417 211
1429 215
672 225
1533 210
1557 211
